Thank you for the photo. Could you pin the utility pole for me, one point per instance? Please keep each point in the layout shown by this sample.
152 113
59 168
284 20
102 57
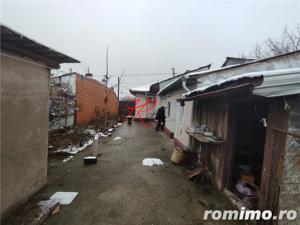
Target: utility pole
173 71
119 82
106 75
118 88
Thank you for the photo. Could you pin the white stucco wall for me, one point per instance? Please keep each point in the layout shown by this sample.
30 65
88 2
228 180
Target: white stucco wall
180 117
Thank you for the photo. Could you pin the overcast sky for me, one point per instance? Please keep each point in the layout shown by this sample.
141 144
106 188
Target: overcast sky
146 37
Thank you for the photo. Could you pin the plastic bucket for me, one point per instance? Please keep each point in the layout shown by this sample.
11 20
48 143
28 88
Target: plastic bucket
177 155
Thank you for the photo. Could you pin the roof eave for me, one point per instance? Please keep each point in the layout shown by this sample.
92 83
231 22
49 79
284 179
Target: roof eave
246 84
14 42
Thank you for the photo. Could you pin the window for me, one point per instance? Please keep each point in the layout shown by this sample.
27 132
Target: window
169 109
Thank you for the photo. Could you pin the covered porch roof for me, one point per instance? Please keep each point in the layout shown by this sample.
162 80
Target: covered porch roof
267 84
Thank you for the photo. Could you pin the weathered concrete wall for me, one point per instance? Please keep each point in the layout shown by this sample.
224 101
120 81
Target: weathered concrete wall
24 131
90 100
290 187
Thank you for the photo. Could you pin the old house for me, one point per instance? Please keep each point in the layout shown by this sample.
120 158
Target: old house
146 101
246 128
178 118
92 100
25 72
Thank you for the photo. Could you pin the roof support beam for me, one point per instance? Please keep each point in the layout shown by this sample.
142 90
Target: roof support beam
32 55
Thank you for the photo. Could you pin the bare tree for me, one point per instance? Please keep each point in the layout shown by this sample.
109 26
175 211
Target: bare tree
61 105
288 41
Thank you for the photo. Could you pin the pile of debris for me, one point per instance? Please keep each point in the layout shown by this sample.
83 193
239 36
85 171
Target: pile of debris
35 212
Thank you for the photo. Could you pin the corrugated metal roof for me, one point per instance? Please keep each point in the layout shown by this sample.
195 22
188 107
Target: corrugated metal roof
244 64
275 83
170 85
15 42
283 83
178 79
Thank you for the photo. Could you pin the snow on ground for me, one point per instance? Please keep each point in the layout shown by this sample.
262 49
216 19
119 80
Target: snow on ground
90 157
152 162
46 206
73 150
100 134
117 125
68 158
117 138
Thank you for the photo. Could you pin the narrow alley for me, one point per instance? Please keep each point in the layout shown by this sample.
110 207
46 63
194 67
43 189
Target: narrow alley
120 190
150 112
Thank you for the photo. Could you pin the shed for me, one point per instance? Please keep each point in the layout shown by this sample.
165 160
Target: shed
253 118
25 72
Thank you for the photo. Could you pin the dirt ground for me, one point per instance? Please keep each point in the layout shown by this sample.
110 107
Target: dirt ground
120 190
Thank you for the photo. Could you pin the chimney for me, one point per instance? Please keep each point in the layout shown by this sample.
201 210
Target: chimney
88 74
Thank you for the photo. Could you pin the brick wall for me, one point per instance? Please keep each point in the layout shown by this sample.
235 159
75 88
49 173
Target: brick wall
91 100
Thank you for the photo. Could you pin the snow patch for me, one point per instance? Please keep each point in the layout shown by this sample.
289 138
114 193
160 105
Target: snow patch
68 158
90 157
46 206
117 138
90 131
143 88
152 162
73 150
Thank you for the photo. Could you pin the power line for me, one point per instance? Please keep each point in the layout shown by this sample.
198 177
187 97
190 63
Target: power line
62 71
145 74
138 75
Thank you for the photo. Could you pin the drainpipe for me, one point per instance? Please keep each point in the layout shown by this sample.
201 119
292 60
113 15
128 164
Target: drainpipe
184 78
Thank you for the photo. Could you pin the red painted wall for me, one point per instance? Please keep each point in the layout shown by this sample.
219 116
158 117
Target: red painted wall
90 96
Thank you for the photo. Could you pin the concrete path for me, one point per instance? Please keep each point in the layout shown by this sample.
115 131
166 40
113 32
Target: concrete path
120 190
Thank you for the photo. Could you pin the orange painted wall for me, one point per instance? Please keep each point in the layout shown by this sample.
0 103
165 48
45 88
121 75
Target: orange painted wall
90 95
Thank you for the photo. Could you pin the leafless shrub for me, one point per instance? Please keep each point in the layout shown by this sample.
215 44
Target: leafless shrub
61 104
288 41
